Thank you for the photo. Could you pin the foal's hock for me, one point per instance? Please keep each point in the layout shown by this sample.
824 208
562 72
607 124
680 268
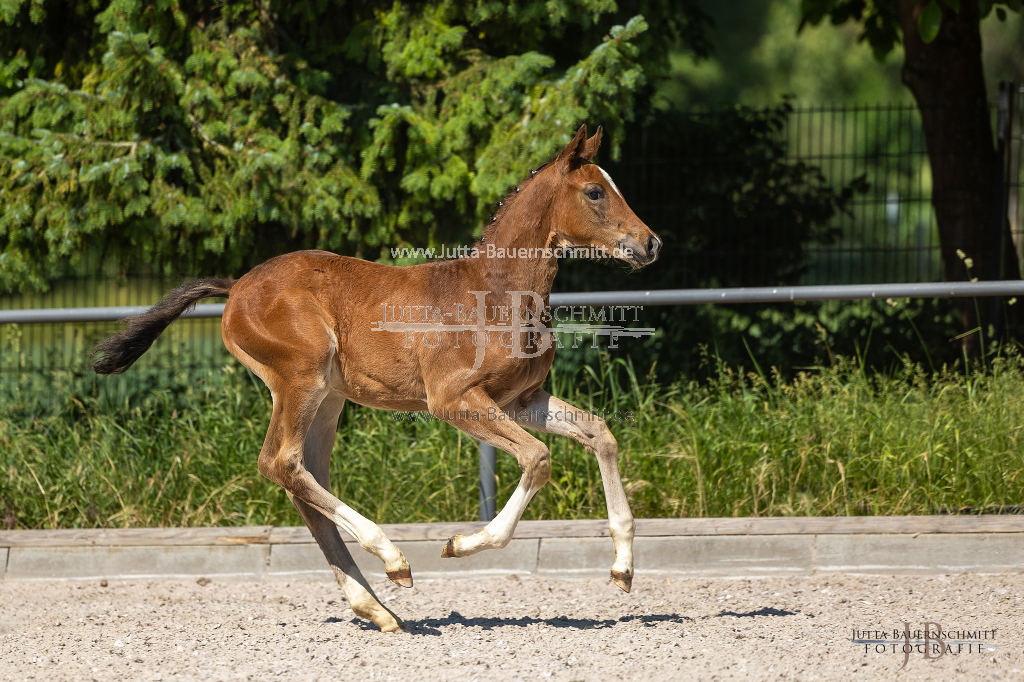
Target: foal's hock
318 329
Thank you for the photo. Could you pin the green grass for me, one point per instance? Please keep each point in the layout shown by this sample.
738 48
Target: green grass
834 441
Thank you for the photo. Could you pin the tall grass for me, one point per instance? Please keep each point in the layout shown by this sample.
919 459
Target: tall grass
833 441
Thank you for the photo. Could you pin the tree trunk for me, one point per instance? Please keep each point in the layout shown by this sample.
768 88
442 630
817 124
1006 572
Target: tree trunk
948 83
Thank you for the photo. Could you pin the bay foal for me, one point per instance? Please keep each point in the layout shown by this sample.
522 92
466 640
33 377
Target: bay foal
303 322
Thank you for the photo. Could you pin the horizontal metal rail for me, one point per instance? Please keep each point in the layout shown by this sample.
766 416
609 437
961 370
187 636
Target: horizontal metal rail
97 314
838 292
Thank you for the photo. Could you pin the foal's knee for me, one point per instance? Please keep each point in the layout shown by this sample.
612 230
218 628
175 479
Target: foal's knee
538 465
604 443
265 465
279 469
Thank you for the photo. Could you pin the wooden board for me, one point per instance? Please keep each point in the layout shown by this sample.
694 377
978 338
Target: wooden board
102 537
907 525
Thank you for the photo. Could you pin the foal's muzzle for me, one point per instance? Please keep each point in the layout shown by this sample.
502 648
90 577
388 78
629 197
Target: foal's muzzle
646 251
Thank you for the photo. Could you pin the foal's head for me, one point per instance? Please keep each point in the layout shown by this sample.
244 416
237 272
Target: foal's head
589 211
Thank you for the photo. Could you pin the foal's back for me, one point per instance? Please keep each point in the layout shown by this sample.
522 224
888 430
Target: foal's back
313 313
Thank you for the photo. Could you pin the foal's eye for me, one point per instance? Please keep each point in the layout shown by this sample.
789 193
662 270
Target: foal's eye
594 194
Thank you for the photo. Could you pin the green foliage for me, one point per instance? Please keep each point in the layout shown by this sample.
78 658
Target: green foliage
930 21
208 138
880 334
881 27
759 58
835 440
789 338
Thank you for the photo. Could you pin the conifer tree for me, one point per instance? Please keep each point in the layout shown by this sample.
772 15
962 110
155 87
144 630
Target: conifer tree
203 138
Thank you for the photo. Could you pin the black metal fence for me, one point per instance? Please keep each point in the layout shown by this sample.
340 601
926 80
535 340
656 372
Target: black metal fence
888 233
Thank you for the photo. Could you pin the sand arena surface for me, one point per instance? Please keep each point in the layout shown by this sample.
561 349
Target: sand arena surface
507 629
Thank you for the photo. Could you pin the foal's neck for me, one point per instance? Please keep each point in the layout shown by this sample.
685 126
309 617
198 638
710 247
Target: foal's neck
522 228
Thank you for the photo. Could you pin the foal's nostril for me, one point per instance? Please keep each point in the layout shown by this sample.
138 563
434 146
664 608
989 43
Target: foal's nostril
653 244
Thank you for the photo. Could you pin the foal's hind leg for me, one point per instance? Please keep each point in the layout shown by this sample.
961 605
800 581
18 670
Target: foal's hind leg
317 458
298 376
551 415
281 462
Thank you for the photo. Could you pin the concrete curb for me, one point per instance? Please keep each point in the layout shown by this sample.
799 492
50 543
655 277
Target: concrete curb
559 549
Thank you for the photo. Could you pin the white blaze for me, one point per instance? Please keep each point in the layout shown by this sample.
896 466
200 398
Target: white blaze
610 181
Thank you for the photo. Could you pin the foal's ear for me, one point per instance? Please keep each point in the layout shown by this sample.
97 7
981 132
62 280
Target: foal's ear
588 150
566 156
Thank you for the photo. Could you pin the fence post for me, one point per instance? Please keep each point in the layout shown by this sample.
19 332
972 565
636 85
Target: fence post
1004 128
1015 147
488 488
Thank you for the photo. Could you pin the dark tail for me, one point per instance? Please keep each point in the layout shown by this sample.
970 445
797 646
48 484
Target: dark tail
119 352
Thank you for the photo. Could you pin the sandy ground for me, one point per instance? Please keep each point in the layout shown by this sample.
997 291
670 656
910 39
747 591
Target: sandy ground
509 629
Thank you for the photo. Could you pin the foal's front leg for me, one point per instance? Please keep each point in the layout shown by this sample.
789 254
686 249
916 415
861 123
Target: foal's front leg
544 412
533 458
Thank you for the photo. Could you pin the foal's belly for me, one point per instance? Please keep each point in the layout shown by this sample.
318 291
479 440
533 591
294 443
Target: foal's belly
374 372
389 372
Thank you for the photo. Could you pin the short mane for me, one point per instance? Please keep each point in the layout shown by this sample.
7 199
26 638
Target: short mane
507 202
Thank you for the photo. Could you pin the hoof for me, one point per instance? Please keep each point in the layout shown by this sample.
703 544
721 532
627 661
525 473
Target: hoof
395 625
402 576
449 548
379 615
623 580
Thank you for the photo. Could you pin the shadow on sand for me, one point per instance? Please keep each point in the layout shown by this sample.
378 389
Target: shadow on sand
429 626
766 611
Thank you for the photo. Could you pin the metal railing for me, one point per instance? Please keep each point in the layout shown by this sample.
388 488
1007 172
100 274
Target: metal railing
833 292
488 453
98 314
